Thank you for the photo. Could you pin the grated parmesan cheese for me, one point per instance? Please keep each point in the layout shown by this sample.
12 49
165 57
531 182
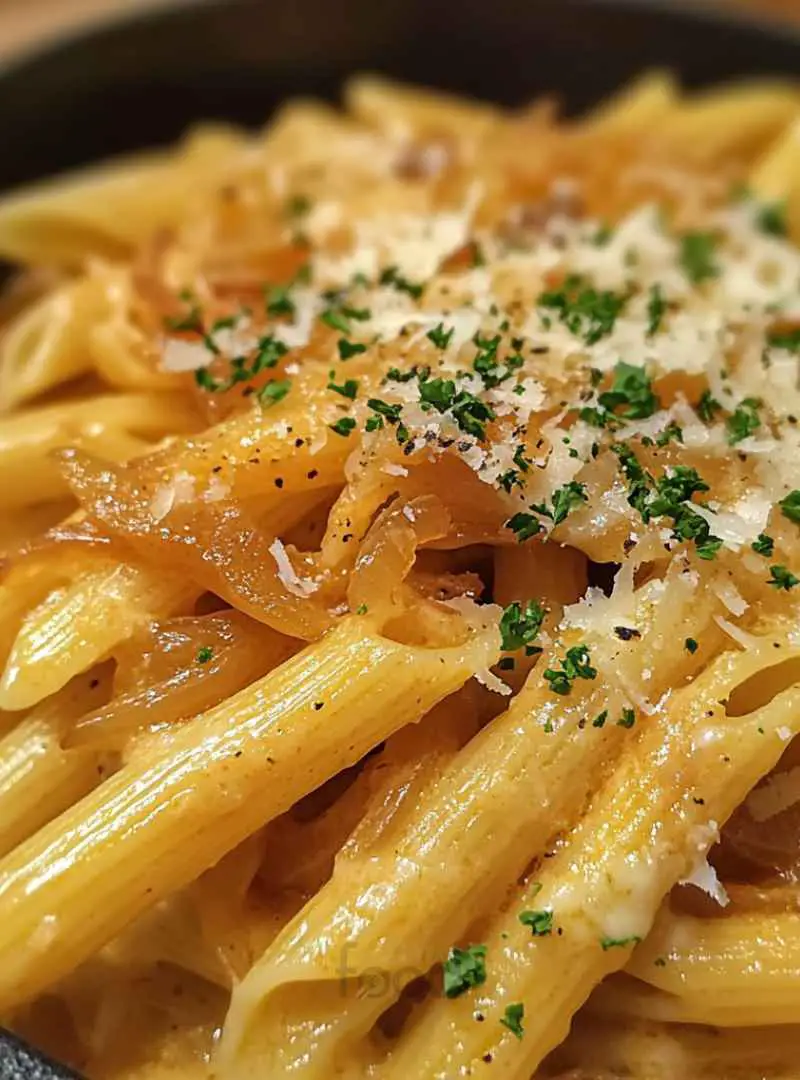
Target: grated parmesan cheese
297 586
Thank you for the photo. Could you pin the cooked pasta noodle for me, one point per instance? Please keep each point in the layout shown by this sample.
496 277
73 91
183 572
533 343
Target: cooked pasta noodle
398 621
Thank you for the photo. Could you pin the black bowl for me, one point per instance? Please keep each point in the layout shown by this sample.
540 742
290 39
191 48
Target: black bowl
141 81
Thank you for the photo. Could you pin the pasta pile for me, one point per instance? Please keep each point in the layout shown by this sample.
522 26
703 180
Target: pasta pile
399 626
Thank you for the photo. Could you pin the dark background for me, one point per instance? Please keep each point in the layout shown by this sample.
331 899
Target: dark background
142 80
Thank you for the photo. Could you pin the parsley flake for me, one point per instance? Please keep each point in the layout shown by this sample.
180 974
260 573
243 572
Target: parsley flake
575 665
348 389
512 1018
707 407
585 311
540 922
392 276
790 506
697 256
204 654
278 300
656 309
788 339
782 578
690 645
520 626
743 421
463 969
348 349
633 389
440 337
524 525
628 718
273 392
343 426
619 943
771 218
763 545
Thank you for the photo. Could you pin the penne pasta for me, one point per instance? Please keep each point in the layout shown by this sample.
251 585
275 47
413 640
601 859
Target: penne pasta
399 670
232 771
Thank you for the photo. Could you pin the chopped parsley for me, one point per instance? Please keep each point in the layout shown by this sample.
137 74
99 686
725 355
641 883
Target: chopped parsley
771 218
298 206
600 719
619 942
669 497
763 545
348 349
463 969
690 645
509 479
565 498
697 256
790 506
191 321
540 922
520 626
392 276
273 392
468 411
628 718
782 578
586 312
440 393
631 388
268 352
384 410
575 665
204 654
512 1018
362 609
348 389
656 309
343 426
743 421
335 320
524 525
278 300
339 318
707 407
440 337
788 339
671 432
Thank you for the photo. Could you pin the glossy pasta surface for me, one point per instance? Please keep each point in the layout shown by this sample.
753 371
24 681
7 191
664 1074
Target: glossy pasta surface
399 648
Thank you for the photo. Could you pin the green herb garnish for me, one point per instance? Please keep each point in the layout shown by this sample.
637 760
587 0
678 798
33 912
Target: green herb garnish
348 389
540 922
633 390
343 426
512 1018
782 578
619 943
464 969
743 421
519 626
575 665
697 256
790 506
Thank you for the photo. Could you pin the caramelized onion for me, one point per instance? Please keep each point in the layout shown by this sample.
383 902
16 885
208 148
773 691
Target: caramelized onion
177 669
215 544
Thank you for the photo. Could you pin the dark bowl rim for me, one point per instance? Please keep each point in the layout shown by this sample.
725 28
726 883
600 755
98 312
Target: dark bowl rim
708 13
